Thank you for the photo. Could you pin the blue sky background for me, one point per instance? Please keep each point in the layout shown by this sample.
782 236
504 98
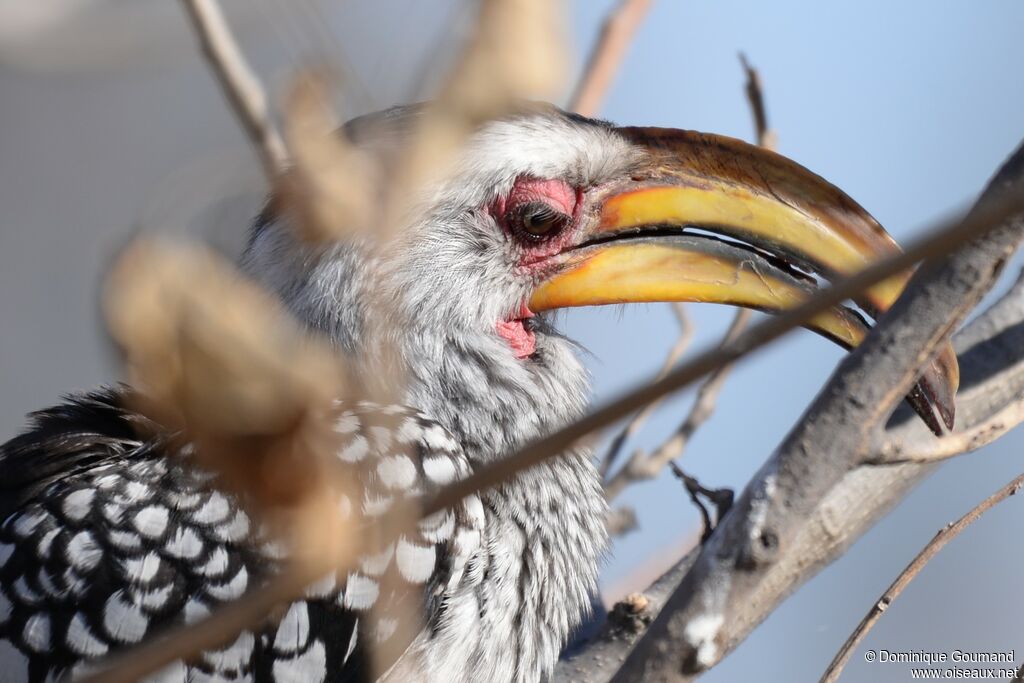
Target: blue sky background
111 126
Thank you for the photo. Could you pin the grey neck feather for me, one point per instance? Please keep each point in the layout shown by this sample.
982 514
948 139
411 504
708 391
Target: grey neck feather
548 521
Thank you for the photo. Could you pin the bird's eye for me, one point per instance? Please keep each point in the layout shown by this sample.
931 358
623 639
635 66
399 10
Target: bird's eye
538 221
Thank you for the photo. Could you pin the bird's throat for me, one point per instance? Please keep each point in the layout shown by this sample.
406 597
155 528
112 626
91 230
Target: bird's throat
517 333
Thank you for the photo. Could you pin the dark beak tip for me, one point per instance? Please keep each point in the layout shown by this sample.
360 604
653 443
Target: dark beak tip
928 398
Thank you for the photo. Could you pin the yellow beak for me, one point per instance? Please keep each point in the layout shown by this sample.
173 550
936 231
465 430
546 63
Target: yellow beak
713 219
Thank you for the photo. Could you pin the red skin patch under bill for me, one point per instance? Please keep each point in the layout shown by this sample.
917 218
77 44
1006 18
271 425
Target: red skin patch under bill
522 340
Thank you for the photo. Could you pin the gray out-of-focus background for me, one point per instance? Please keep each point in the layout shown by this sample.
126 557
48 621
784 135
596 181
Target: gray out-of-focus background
110 124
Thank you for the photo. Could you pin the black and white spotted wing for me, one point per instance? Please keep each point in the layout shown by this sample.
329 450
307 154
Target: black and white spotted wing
105 541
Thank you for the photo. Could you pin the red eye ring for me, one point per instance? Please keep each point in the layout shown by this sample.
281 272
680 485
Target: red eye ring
537 221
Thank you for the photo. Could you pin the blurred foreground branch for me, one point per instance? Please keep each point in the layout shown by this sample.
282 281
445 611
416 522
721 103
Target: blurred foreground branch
606 55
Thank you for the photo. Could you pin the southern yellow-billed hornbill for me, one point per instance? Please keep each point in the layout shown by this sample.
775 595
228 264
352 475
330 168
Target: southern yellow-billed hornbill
105 540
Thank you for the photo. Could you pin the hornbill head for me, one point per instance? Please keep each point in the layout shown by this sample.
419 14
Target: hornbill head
547 210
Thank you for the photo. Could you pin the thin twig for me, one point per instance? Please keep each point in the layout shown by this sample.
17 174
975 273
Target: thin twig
239 84
959 442
637 421
755 96
944 536
607 55
641 465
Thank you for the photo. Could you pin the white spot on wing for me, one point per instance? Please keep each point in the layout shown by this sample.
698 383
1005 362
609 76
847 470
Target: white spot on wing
113 512
474 510
356 450
214 510
438 527
310 667
438 439
231 590
195 610
410 431
37 632
347 423
45 582
46 542
122 620
6 550
141 570
184 500
185 544
216 565
322 588
415 562
81 639
234 531
83 551
396 472
155 599
78 503
375 565
439 469
125 540
293 631
135 491
151 521
108 481
235 656
381 437
26 523
360 592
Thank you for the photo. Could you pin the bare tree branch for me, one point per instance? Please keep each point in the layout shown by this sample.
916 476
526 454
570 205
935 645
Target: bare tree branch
722 597
239 83
607 55
943 537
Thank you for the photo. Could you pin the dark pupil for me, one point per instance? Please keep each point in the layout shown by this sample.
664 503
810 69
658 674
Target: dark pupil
539 220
